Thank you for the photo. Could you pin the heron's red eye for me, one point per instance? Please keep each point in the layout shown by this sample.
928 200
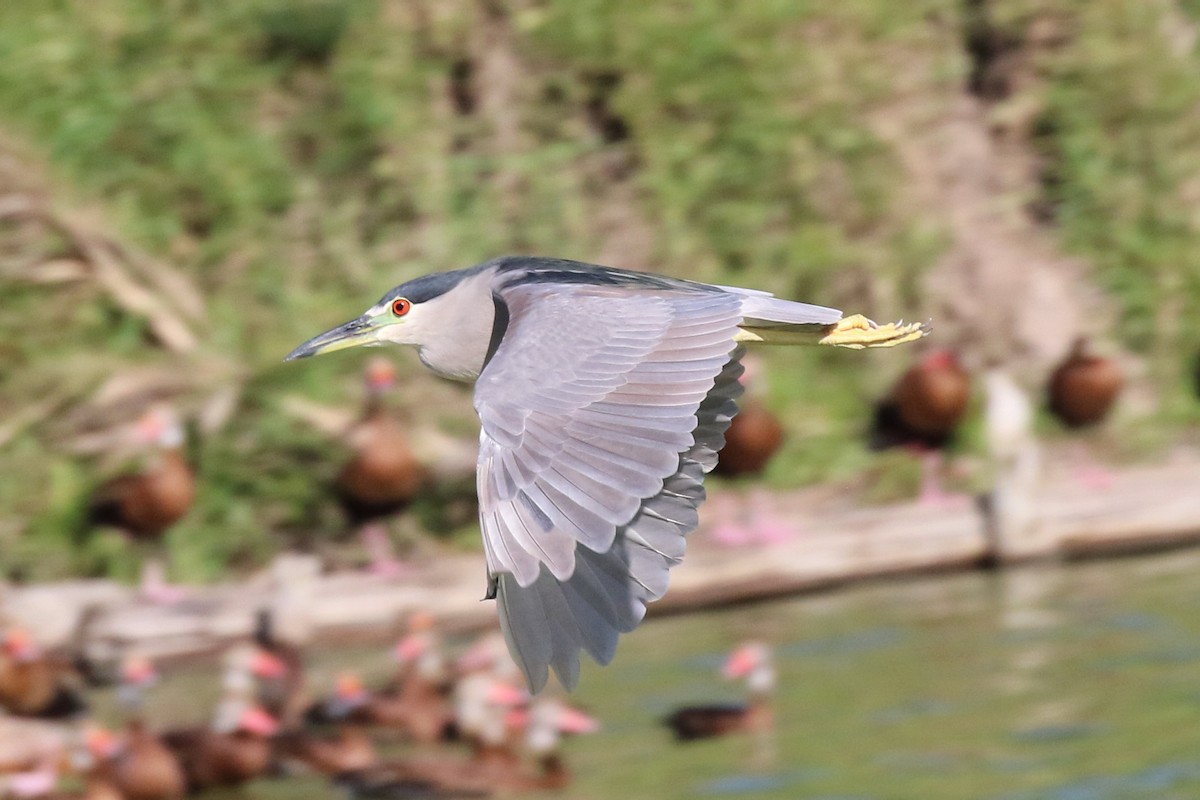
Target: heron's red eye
400 307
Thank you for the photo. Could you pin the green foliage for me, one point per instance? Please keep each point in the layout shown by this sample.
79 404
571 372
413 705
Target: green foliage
1120 133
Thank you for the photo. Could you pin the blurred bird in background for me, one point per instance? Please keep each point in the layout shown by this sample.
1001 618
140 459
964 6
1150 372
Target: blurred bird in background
34 683
137 763
921 412
143 504
752 662
1081 394
383 475
236 747
754 437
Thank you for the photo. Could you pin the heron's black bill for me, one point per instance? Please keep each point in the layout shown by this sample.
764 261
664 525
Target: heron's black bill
355 333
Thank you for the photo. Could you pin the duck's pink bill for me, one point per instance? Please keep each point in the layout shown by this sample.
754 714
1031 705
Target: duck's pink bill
409 649
268 665
256 720
504 694
571 720
740 662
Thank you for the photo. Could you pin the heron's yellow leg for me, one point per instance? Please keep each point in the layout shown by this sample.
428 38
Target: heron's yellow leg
858 332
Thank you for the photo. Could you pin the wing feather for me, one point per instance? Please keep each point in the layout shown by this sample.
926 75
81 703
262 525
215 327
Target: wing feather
601 411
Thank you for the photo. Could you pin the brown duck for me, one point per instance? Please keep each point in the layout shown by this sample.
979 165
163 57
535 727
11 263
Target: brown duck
234 750
754 437
383 476
923 411
144 504
546 721
423 682
1083 387
138 764
1081 393
33 684
352 702
751 661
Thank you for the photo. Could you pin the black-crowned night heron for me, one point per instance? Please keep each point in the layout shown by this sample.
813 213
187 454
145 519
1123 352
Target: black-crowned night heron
604 396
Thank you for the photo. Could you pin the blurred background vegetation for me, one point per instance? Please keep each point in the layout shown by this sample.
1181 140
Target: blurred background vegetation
263 169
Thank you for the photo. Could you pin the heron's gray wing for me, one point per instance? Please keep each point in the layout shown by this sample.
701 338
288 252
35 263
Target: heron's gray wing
601 410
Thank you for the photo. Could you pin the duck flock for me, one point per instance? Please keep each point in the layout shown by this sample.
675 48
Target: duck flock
474 731
468 726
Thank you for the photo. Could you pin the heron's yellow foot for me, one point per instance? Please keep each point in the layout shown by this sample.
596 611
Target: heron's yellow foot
858 332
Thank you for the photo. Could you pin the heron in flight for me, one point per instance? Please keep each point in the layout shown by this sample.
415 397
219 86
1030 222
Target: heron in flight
603 396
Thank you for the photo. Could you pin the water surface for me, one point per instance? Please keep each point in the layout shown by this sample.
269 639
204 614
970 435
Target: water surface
1077 682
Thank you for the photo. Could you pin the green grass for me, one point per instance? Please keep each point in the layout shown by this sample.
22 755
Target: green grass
297 159
1120 127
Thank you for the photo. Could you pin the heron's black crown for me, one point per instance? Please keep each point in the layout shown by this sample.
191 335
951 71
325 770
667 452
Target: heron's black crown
520 270
427 287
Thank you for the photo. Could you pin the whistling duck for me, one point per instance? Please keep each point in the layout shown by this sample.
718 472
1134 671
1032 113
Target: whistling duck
751 661
419 654
234 750
349 701
754 437
483 701
546 720
137 763
493 763
348 750
279 668
352 702
922 411
31 683
383 476
1084 386
237 746
146 503
415 704
422 681
1081 393
545 723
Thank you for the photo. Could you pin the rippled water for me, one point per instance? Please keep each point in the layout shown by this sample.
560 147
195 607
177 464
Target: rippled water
1072 683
